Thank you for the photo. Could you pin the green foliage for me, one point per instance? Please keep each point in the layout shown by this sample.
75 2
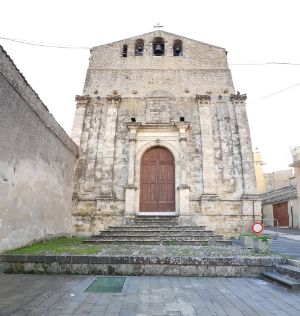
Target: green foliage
171 242
262 237
66 245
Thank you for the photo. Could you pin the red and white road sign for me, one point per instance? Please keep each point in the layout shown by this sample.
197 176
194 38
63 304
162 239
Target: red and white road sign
257 227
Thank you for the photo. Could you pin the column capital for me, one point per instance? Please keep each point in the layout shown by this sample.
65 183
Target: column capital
183 187
113 98
182 126
238 98
203 99
82 100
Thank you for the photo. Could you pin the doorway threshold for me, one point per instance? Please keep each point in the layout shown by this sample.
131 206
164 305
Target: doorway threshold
157 214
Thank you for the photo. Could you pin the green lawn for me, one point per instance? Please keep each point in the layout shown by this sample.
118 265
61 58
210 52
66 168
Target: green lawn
61 245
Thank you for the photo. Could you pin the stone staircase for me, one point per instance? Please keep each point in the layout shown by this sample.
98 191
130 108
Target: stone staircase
158 230
286 275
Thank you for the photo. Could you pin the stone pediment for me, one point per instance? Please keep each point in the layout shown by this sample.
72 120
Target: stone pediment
160 33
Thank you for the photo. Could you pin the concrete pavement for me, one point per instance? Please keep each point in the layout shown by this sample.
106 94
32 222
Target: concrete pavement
64 295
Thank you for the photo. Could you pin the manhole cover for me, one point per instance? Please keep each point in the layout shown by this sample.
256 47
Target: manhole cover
107 285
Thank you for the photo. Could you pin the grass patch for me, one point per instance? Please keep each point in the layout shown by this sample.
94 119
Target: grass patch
60 245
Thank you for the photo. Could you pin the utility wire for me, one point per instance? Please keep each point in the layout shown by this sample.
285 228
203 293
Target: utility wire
43 44
264 64
276 92
53 45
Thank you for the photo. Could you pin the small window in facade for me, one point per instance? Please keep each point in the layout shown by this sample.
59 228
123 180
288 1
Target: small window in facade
139 47
182 119
125 49
177 48
158 47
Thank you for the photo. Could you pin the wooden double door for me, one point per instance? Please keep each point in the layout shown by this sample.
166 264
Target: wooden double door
280 212
157 181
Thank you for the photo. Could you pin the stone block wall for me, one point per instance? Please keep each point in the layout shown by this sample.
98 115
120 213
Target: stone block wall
37 162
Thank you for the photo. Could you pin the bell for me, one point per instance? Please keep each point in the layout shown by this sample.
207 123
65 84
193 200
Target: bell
158 49
177 50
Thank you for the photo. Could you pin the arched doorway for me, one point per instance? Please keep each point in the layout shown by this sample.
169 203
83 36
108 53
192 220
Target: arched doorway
157 181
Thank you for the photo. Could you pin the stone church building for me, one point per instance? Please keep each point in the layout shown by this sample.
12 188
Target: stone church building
161 131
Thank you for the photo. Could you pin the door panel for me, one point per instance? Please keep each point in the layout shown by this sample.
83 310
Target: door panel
280 212
157 181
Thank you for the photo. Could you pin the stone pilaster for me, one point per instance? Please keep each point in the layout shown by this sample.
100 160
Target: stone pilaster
184 188
207 144
81 104
107 168
92 147
130 188
249 181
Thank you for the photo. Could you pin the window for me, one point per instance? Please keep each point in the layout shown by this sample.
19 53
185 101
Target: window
158 47
177 48
139 47
125 49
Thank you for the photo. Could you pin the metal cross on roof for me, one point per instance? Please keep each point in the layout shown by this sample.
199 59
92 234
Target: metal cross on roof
158 26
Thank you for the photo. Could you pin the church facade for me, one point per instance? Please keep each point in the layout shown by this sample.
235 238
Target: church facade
161 131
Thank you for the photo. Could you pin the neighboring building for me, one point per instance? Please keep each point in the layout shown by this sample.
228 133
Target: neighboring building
162 131
296 165
259 174
278 191
37 162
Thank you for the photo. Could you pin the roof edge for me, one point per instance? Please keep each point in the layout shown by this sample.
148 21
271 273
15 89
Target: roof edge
158 32
32 99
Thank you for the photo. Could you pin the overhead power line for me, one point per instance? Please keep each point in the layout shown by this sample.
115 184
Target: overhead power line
43 44
55 45
265 64
276 92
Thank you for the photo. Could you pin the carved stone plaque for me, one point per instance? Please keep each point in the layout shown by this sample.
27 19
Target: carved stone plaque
157 111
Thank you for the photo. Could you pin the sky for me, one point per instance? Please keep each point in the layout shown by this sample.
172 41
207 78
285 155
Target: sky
259 36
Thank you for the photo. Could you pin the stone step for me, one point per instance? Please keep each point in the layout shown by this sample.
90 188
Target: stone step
289 270
152 223
156 227
154 237
164 242
156 233
158 217
283 280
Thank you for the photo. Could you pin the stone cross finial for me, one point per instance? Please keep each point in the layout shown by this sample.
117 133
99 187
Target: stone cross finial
158 26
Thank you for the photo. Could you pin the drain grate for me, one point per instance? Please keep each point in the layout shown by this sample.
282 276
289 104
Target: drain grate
107 285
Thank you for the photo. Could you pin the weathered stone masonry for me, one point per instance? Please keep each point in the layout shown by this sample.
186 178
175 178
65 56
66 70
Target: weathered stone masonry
184 103
37 162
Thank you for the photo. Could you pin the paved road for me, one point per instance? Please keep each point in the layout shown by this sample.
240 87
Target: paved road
64 295
287 243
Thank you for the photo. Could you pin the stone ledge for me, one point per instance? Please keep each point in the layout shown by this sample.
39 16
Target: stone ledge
131 265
